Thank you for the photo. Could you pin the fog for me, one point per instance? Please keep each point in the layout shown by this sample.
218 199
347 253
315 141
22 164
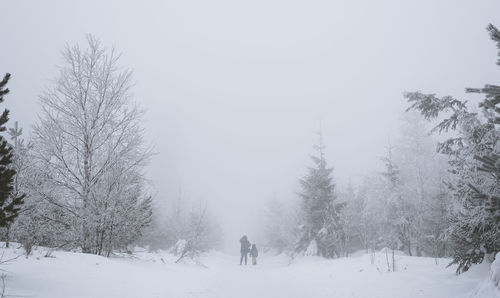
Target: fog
234 91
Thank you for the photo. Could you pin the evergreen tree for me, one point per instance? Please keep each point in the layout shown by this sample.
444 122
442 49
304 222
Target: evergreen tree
321 232
474 158
19 164
9 205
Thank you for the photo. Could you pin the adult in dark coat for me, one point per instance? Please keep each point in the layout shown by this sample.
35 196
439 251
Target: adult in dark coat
245 249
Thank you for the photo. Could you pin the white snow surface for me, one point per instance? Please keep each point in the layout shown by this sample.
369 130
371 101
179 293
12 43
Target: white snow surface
145 275
490 287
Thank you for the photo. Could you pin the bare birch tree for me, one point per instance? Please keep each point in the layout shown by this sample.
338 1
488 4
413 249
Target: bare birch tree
90 144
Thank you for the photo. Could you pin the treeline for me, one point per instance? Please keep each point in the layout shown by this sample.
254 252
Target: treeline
441 203
403 207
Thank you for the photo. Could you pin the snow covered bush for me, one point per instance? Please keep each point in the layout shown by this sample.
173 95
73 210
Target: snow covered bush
186 229
200 234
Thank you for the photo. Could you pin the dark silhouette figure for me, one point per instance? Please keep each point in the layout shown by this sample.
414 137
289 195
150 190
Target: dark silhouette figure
254 253
245 249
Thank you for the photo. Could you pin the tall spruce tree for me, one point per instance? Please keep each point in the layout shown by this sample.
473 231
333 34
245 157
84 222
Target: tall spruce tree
321 232
474 159
9 205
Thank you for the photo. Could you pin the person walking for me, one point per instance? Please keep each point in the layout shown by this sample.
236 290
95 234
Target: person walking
254 253
245 249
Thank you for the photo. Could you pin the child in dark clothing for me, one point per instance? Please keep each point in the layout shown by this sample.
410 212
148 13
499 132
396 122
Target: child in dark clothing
254 253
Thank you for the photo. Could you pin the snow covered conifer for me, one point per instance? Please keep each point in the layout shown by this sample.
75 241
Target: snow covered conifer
320 225
474 158
19 164
9 204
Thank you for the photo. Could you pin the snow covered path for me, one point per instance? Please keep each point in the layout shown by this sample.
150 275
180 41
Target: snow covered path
155 275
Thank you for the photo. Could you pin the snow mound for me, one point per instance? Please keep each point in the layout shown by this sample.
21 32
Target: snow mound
179 247
495 272
490 287
312 249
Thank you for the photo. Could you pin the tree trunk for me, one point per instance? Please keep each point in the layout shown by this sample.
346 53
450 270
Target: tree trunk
7 236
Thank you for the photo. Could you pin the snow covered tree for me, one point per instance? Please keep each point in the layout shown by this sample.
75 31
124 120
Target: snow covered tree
399 217
90 150
403 207
351 219
422 172
436 222
370 213
20 164
413 190
474 151
320 225
366 216
10 200
40 222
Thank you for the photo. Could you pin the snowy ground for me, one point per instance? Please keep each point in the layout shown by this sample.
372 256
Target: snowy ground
155 275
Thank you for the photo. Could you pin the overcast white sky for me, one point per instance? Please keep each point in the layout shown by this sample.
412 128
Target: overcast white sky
234 90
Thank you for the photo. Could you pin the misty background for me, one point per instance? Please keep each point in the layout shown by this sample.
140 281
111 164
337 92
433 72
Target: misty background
234 91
